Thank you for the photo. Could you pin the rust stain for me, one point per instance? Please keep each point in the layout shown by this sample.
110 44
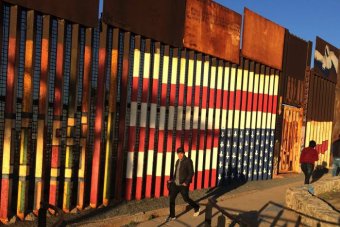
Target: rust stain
213 29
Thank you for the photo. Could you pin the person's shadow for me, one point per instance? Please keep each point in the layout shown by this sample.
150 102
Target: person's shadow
319 171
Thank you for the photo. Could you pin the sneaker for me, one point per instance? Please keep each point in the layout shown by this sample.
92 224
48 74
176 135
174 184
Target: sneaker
197 212
170 219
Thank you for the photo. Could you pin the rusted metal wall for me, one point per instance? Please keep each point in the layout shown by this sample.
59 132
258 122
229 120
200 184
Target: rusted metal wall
208 22
83 12
295 62
190 23
262 40
99 113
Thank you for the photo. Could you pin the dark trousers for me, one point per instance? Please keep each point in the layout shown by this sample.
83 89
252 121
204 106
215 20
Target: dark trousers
307 169
184 190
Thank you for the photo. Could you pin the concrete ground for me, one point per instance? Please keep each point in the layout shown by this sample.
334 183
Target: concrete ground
258 203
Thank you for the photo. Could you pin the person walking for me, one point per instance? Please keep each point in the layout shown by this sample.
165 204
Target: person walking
181 180
309 155
336 157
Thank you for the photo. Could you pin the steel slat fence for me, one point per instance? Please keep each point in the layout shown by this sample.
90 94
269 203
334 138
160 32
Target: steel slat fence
105 110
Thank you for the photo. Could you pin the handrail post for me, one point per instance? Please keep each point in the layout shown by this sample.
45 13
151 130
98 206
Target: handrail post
208 213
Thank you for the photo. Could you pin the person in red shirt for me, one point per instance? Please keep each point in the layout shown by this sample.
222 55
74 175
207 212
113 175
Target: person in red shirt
309 155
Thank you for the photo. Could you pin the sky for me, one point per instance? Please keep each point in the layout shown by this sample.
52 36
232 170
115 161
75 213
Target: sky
303 18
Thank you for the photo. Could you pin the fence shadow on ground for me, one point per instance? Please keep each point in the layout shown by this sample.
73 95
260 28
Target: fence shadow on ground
272 214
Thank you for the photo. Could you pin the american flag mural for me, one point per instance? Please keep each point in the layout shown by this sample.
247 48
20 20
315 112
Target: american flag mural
247 134
223 114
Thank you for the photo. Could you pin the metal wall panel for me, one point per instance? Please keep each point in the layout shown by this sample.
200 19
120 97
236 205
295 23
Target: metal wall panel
326 60
262 40
209 22
77 11
320 99
295 62
161 20
190 24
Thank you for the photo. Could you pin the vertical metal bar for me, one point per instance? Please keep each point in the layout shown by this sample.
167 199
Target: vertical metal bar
196 115
6 182
232 121
244 145
85 170
265 124
146 110
166 90
76 177
225 122
70 98
155 114
111 95
178 55
256 120
249 119
221 126
210 70
57 114
145 119
238 122
140 176
273 122
42 114
160 123
26 123
132 156
124 44
212 120
98 126
190 109
171 100
200 123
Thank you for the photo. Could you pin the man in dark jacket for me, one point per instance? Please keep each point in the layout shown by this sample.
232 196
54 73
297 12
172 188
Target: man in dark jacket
336 157
184 172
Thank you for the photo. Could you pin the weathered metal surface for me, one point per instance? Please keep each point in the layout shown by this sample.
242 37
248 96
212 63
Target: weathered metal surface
83 12
326 60
213 29
320 99
294 68
291 139
262 40
200 25
162 20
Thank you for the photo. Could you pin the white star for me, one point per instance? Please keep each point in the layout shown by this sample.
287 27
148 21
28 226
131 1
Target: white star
247 133
222 144
240 146
228 143
235 133
234 145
